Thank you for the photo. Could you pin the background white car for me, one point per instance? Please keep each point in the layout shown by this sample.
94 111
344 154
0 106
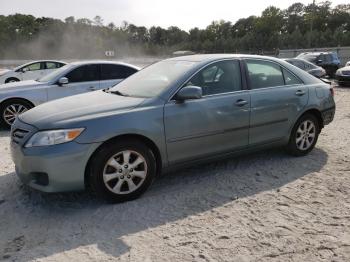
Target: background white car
71 79
29 71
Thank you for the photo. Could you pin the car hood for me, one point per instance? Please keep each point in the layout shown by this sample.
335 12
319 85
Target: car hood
4 71
70 110
19 85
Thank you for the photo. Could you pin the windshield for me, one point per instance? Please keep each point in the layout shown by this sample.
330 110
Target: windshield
311 65
154 79
310 58
53 75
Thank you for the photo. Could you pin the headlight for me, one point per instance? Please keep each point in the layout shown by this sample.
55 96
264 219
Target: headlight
53 137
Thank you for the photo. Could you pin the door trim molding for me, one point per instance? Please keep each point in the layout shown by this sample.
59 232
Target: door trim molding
224 131
211 133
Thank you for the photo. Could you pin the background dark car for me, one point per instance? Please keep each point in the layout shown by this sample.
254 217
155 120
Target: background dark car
312 69
328 60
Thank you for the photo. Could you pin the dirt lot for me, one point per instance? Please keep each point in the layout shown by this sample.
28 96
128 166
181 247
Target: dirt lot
263 207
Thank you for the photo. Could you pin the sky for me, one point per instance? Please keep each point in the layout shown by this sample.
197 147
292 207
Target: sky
185 14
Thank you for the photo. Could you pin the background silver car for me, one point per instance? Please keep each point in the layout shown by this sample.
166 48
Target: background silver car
312 69
74 78
29 71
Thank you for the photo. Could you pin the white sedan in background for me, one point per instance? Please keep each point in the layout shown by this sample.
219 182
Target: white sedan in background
71 79
29 71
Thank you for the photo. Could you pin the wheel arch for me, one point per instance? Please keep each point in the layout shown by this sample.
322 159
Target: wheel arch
317 113
143 139
11 77
17 99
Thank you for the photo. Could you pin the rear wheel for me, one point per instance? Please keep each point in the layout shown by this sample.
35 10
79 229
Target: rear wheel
122 171
10 109
304 135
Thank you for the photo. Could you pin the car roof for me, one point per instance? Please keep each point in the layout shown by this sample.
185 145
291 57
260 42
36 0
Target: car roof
39 61
89 62
317 53
214 57
299 59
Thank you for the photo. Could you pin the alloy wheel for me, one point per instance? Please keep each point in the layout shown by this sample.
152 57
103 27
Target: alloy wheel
125 172
306 134
12 111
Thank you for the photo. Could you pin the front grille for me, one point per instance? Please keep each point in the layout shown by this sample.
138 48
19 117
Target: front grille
346 73
18 135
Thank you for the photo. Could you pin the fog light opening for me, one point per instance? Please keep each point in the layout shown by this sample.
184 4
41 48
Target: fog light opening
40 178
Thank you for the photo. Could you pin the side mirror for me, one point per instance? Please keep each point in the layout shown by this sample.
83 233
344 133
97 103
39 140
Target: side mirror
26 69
63 81
319 61
189 92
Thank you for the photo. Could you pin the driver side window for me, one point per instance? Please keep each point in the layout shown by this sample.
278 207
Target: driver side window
217 78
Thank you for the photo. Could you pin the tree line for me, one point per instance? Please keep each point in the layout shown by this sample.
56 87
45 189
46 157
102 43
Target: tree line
298 26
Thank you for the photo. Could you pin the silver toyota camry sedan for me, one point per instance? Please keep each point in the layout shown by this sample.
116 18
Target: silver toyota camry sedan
178 111
74 78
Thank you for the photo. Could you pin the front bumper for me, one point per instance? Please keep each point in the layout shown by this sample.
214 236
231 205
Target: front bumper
56 168
342 79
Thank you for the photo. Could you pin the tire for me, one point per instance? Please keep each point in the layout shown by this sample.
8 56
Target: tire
11 80
116 181
15 106
303 138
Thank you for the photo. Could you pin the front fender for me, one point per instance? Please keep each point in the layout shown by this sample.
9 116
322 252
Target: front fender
145 121
36 97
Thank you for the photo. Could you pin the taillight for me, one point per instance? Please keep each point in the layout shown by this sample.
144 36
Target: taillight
332 88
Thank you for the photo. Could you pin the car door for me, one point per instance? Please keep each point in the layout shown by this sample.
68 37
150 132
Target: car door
82 79
112 74
32 71
277 97
217 122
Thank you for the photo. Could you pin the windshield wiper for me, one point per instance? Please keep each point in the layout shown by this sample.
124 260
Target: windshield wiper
115 92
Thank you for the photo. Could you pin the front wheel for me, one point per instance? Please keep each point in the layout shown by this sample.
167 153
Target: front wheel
11 80
9 110
122 171
304 135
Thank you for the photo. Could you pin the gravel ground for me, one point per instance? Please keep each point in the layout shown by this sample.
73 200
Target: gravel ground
266 206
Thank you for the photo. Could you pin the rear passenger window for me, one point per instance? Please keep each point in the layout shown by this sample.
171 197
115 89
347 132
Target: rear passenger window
109 71
264 74
51 65
290 79
217 78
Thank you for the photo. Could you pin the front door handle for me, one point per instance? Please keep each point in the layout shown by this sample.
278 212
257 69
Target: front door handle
300 93
241 102
92 88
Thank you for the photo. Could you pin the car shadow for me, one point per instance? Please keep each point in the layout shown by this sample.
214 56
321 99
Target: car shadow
41 225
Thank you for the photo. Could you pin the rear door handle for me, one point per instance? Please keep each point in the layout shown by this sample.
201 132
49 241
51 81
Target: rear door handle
241 102
300 93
